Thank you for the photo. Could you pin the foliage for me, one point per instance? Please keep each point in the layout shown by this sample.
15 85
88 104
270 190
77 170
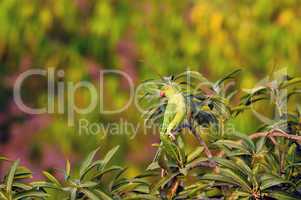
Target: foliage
227 164
142 38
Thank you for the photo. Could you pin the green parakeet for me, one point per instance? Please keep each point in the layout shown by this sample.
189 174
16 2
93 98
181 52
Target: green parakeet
175 111
174 116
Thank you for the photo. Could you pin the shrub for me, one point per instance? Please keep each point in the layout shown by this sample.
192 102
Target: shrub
226 164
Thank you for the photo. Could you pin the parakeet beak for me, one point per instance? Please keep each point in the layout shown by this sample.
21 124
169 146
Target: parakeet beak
162 94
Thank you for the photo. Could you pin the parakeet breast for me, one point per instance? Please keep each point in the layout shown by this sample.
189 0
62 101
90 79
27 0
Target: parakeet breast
174 114
179 101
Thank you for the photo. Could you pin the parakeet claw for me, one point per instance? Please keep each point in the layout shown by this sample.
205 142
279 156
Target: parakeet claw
171 136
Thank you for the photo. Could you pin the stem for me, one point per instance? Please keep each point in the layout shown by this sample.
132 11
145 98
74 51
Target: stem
206 164
199 139
276 133
273 140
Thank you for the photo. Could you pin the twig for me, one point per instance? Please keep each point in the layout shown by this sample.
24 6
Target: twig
199 139
273 140
207 164
275 133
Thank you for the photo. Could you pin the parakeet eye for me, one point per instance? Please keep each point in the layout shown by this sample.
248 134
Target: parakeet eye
162 94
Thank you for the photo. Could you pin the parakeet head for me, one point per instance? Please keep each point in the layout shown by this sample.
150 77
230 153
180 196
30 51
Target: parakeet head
168 91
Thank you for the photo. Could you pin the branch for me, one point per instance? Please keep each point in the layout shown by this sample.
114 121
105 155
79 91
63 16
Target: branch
207 164
199 139
276 133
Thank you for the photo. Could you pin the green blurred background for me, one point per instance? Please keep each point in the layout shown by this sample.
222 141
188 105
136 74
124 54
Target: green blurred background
144 39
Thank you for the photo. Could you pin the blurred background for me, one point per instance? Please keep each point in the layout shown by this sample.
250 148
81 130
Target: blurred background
144 39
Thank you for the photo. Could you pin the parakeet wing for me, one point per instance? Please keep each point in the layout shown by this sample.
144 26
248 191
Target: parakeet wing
169 115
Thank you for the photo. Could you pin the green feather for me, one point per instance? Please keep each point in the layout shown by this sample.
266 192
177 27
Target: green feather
174 115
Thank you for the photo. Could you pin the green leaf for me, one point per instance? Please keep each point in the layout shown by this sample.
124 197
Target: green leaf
109 156
218 178
260 144
115 178
44 184
170 149
21 186
247 143
231 75
30 194
293 165
99 174
140 197
103 195
230 164
10 177
290 83
163 181
22 173
88 184
243 167
282 196
68 169
91 195
3 158
272 181
87 162
96 164
233 145
127 187
51 178
291 153
192 74
3 196
240 181
195 154
153 166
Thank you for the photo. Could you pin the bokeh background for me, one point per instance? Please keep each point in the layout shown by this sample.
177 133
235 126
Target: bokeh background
144 39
